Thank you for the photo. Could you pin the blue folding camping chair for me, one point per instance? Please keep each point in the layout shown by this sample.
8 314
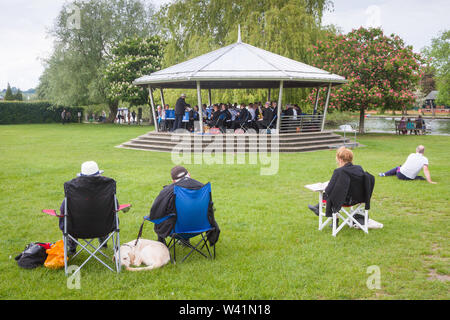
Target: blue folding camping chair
192 221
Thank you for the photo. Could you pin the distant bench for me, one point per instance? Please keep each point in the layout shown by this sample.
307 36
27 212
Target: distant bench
411 126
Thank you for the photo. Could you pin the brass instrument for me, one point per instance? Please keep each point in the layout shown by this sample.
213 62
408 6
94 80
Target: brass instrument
260 115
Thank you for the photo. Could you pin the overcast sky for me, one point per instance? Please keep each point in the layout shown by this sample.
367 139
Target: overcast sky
24 24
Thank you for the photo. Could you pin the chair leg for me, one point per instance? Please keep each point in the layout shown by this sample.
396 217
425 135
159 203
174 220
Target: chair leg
334 224
65 255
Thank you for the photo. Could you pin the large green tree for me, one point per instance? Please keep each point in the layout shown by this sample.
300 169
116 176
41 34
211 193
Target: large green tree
286 27
439 53
382 72
131 59
84 33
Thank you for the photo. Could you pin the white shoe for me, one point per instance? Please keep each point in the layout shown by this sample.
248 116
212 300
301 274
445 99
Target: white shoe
372 224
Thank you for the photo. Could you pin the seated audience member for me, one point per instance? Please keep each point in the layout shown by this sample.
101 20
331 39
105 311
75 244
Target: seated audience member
409 126
164 205
349 185
402 126
411 168
90 173
420 125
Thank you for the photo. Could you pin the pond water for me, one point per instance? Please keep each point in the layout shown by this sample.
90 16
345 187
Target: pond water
387 125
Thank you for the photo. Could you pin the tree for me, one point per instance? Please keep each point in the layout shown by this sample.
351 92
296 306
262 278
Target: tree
131 59
439 53
18 96
285 27
9 94
381 71
73 74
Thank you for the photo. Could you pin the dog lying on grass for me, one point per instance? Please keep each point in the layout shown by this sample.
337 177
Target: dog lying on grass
153 254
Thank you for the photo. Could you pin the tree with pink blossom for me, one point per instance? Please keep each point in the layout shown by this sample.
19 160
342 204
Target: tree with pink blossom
381 71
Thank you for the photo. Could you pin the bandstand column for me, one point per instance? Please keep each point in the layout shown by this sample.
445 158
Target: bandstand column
326 106
200 109
152 102
280 101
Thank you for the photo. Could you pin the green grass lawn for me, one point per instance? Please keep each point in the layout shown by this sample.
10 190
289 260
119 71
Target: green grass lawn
269 247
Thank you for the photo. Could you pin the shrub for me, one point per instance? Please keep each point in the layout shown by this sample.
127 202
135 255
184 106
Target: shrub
34 112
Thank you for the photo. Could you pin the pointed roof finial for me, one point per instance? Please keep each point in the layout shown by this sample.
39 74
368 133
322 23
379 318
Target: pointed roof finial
239 34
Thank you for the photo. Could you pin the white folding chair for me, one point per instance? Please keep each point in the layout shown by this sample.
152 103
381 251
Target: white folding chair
346 214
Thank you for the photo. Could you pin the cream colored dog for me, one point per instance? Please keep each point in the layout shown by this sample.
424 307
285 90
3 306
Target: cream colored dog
153 254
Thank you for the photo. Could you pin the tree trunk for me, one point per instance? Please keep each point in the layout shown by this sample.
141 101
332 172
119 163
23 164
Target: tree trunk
113 106
361 119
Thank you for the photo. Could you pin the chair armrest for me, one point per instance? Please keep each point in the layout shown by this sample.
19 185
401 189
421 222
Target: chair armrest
158 221
52 213
124 207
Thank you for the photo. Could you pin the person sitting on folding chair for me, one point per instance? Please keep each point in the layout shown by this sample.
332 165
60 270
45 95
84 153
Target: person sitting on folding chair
349 185
215 114
90 210
88 169
164 206
268 116
242 117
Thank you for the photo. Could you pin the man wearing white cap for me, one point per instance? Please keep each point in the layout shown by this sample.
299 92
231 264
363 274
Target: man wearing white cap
89 170
180 110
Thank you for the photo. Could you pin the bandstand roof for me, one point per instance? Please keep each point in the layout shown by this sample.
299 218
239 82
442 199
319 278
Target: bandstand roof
240 65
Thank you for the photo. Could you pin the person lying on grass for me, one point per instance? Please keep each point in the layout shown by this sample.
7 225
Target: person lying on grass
164 205
411 168
349 185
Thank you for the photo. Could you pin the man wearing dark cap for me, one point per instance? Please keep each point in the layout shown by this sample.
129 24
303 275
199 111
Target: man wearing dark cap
164 205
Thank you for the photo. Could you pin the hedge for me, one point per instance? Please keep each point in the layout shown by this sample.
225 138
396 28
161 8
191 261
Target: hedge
34 112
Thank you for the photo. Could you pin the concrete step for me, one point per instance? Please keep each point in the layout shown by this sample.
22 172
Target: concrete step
282 149
293 142
245 142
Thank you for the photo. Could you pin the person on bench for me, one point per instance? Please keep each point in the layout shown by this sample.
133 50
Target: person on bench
411 168
164 205
91 171
349 185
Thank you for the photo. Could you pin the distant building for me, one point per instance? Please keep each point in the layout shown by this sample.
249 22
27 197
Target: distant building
430 99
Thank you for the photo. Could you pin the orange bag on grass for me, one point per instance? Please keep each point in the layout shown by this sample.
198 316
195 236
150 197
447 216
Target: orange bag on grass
55 256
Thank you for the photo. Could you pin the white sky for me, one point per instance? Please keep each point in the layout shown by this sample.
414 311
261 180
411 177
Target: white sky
24 23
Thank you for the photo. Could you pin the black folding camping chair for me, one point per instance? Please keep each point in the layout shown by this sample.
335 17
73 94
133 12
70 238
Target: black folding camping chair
91 211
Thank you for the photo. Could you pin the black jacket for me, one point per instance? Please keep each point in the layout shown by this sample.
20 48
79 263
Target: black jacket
180 107
349 185
268 115
164 205
243 115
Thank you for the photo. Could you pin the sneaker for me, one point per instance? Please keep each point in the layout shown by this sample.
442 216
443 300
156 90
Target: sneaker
314 209
372 224
381 174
